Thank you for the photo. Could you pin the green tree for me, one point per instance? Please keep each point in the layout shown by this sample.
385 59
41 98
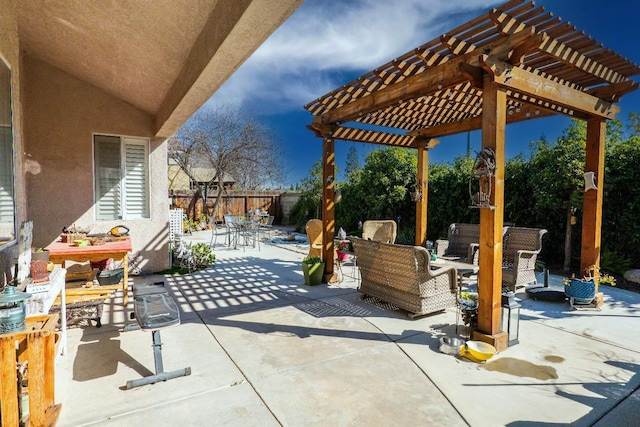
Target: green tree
352 162
449 198
380 190
228 145
310 203
620 232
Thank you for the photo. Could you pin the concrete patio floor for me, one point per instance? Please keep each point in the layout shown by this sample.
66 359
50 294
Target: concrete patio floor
264 349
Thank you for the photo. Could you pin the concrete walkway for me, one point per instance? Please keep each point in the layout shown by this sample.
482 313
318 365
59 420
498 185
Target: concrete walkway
265 349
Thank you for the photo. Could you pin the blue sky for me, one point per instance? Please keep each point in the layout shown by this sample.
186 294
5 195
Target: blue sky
327 43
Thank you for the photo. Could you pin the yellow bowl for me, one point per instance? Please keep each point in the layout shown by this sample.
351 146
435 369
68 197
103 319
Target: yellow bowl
479 350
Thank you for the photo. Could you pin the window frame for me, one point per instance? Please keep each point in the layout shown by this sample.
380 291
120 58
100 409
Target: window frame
123 213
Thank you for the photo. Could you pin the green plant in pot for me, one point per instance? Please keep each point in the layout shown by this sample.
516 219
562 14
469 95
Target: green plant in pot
313 269
342 246
584 290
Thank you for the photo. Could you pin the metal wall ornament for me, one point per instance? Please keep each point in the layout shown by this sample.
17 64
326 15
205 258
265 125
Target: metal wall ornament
589 181
484 170
416 196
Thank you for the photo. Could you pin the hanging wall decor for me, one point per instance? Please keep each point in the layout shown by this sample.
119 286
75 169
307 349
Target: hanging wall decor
483 173
589 181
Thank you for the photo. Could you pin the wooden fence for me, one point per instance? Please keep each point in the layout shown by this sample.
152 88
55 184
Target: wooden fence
237 203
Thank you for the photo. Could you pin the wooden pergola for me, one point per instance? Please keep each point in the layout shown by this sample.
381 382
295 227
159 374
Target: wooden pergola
516 62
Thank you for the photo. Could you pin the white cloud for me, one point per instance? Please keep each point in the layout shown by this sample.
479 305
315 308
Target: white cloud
324 40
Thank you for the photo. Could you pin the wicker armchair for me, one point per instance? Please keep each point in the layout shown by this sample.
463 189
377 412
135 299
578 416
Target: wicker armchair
462 243
521 247
384 231
314 234
402 275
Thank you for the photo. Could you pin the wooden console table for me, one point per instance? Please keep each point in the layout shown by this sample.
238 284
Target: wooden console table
36 345
59 252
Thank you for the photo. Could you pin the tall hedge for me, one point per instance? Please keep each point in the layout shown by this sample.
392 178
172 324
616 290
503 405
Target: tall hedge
541 190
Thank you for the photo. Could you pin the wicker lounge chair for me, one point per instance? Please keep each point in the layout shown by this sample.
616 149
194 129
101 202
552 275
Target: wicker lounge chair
401 275
462 243
521 247
384 231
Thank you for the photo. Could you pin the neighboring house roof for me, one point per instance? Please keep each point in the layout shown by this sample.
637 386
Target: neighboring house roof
178 180
163 57
206 174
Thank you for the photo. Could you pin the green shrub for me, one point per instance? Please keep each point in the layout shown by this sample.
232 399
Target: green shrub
613 263
202 256
310 260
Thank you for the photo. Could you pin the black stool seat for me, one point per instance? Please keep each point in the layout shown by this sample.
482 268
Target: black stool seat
155 309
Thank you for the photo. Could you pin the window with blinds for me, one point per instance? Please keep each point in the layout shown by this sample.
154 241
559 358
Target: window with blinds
7 194
121 177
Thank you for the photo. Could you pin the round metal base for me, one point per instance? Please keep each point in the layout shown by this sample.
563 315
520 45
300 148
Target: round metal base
546 293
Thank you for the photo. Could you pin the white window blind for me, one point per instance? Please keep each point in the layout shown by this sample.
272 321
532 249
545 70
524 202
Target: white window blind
136 179
121 177
6 175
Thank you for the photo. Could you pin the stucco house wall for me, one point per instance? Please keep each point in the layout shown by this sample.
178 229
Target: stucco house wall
61 115
10 53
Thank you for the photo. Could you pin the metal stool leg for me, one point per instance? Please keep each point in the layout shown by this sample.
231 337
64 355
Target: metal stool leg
160 375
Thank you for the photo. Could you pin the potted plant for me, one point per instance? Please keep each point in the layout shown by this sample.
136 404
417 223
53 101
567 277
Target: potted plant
39 254
342 246
583 290
313 269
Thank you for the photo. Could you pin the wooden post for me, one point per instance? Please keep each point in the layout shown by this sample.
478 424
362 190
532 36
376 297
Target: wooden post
328 205
592 201
491 221
422 185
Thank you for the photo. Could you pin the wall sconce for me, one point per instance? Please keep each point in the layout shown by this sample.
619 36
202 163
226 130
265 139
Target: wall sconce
589 181
483 170
510 317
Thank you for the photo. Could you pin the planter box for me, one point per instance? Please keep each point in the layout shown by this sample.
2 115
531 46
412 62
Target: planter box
40 256
582 292
342 256
110 277
313 273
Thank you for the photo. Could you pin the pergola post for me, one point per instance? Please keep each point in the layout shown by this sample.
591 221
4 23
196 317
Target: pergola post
494 103
422 186
328 206
592 201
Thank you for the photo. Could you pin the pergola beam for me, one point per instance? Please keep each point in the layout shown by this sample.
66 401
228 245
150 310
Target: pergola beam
592 200
422 187
539 87
369 136
614 92
475 123
494 102
328 207
421 84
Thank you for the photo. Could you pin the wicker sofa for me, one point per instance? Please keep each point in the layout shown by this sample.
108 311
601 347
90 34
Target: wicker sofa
461 244
402 275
